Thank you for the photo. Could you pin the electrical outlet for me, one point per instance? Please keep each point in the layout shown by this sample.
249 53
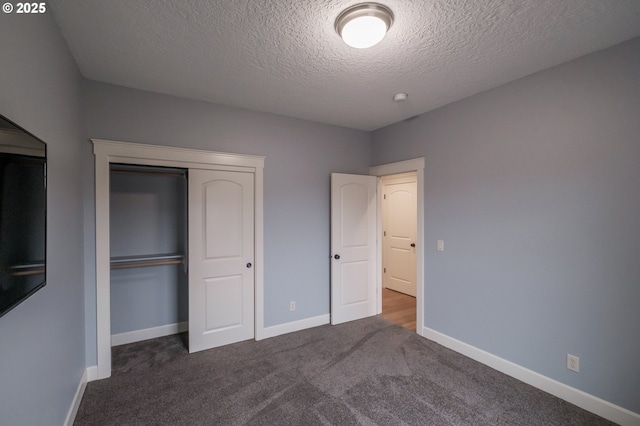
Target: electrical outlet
292 305
573 363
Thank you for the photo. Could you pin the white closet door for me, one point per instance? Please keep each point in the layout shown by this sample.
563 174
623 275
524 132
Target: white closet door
221 253
353 247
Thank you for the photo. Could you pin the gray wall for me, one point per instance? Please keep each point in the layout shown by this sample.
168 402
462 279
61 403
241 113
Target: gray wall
534 186
42 340
300 156
148 216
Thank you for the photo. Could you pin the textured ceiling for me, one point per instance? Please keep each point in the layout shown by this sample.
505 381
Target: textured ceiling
284 57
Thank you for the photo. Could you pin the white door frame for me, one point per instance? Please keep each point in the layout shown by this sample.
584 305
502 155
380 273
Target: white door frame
107 152
414 165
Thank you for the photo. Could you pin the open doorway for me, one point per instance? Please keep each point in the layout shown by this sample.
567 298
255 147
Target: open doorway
399 236
404 309
399 308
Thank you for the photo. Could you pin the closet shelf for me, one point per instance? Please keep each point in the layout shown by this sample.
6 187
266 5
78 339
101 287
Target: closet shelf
122 262
34 268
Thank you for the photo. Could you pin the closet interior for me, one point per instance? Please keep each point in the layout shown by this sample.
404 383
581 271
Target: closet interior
148 243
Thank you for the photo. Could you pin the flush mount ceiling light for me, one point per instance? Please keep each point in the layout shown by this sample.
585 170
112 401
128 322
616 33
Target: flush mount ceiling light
364 25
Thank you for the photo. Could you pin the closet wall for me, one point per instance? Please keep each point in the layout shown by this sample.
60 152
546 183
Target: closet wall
148 219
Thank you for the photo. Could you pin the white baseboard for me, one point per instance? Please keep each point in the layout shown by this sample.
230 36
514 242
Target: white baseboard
92 373
575 396
290 327
148 333
75 403
167 330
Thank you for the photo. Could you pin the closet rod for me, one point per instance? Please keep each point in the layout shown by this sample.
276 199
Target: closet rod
123 262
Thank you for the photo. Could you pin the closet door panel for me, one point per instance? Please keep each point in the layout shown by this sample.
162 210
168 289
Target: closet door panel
221 250
223 221
224 302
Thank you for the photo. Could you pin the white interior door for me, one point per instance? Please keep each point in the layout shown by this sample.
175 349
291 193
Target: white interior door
399 233
221 253
353 247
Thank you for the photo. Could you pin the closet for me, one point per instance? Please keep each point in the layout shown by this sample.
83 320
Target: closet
153 206
148 242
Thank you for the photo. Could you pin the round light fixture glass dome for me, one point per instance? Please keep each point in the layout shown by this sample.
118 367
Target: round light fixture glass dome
364 25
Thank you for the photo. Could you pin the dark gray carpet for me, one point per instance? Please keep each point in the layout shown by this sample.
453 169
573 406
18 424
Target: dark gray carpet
368 372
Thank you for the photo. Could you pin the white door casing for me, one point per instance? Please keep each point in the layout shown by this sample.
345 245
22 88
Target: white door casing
107 152
414 165
221 281
353 247
399 224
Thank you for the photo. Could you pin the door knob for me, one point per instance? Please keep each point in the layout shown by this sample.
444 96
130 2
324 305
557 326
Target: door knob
413 244
249 265
337 256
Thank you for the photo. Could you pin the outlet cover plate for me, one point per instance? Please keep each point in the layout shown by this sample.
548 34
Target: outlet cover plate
573 363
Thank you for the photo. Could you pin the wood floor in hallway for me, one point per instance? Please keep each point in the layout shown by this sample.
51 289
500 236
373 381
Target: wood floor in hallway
399 308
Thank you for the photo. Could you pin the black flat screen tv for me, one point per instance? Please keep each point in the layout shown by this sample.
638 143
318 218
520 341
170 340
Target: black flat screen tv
23 195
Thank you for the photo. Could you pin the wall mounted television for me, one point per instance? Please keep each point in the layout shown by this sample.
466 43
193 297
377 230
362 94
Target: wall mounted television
23 198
